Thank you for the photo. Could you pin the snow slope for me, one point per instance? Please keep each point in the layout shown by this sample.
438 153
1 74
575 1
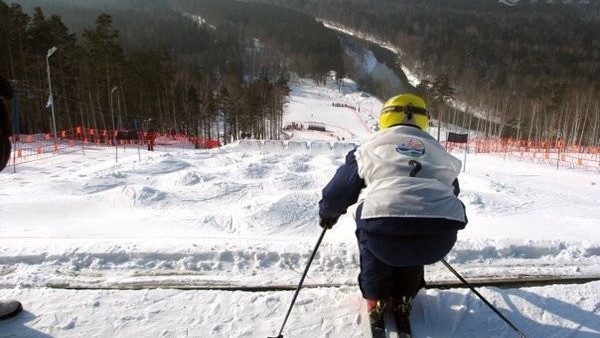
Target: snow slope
140 235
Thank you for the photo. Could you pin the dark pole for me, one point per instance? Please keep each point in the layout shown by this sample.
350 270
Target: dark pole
483 299
312 256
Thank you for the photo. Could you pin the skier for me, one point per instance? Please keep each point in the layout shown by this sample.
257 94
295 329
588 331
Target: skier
151 137
8 308
408 211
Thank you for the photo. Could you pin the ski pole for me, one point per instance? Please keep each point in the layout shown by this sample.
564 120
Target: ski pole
484 300
300 284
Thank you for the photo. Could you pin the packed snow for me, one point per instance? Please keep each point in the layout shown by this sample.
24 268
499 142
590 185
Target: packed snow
211 243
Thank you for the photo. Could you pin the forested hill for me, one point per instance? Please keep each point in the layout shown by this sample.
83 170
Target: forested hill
531 68
297 41
536 58
485 38
130 64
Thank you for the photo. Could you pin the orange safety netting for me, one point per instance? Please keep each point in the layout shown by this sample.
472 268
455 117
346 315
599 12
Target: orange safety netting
550 152
28 148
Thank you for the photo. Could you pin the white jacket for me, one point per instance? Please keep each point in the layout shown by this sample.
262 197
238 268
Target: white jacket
408 174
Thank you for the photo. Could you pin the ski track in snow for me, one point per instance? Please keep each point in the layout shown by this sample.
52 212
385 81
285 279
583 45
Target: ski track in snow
246 214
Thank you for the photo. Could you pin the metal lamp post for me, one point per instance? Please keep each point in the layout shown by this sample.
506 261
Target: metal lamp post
112 111
112 115
119 119
51 99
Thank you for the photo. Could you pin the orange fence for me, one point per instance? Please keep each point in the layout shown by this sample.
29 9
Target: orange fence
130 137
31 147
27 148
554 153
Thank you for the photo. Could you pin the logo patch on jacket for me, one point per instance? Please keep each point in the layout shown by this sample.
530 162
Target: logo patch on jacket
411 147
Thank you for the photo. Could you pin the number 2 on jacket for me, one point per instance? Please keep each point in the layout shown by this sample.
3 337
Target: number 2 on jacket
416 169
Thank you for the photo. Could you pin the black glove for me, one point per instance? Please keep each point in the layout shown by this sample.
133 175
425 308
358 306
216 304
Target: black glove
5 149
326 222
5 89
5 126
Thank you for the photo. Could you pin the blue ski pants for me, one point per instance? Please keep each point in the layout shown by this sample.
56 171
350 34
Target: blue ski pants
378 280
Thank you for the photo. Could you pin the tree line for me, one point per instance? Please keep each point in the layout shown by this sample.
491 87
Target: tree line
213 80
530 68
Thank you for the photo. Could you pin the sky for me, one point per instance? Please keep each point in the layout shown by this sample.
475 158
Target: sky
210 243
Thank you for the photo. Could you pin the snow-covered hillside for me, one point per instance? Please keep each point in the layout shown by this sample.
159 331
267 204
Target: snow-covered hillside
202 243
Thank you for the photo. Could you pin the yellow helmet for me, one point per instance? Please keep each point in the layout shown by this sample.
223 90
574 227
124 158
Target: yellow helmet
404 109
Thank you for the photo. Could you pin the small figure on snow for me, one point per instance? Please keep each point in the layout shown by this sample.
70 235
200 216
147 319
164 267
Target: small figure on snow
151 137
8 308
408 211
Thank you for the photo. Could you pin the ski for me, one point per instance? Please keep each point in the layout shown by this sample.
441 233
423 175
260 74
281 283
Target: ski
377 328
389 329
377 332
389 324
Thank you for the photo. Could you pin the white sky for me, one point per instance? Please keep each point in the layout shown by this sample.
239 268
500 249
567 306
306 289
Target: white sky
246 215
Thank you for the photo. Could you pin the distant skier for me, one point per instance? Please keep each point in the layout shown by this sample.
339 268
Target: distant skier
408 211
151 137
8 308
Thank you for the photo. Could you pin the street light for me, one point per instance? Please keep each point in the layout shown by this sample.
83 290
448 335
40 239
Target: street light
112 113
50 98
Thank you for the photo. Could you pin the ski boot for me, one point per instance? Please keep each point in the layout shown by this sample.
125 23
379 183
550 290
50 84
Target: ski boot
376 309
401 310
9 308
